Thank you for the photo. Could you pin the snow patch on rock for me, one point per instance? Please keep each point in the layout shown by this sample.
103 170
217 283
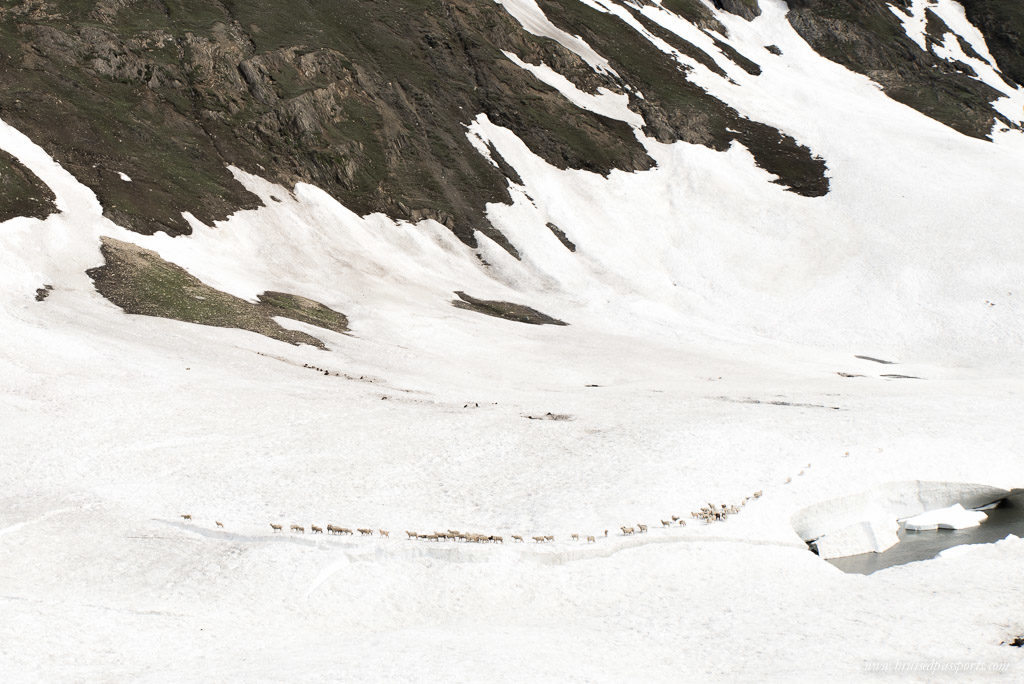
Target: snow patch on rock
532 18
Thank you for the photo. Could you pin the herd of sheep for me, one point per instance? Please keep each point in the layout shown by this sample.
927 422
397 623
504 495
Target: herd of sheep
708 514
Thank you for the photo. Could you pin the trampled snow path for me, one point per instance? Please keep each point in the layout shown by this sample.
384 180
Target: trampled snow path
694 281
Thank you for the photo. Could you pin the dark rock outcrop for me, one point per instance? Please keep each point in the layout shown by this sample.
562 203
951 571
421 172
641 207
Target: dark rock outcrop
519 313
676 109
867 37
21 192
748 9
1002 24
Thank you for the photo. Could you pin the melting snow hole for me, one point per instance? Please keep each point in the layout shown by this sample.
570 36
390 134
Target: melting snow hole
1006 519
903 522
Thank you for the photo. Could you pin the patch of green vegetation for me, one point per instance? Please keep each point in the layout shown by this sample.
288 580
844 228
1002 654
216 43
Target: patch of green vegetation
21 192
140 282
518 313
304 310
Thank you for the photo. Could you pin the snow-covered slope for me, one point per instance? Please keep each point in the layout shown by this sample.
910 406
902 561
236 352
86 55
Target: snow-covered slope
724 337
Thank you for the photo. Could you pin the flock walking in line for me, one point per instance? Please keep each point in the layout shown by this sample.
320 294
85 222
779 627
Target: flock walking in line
711 513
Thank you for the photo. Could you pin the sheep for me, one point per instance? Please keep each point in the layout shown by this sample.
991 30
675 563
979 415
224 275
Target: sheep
384 533
344 530
298 528
275 528
627 530
497 540
575 537
316 530
549 537
590 539
365 531
412 535
675 517
682 523
666 523
539 540
516 537
186 516
643 528
219 523
758 494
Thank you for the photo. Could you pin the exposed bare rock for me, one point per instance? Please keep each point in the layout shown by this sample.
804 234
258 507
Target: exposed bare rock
21 192
865 36
519 313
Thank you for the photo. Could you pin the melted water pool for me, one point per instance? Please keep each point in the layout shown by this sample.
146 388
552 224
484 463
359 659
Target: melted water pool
1004 520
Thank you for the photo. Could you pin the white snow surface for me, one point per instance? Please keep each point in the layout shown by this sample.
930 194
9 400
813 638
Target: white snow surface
709 313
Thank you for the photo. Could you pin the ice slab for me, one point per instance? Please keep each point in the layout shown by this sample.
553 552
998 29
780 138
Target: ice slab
954 517
897 500
862 537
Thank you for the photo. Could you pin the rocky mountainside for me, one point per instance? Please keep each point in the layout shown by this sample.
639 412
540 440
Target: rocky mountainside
163 108
370 100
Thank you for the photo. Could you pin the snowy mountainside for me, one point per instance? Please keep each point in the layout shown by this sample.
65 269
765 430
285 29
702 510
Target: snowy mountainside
272 265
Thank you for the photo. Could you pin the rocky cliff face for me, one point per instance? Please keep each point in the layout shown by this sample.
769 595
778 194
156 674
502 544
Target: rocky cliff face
867 36
370 100
23 194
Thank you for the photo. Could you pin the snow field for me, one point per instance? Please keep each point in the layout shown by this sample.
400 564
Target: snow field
698 288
